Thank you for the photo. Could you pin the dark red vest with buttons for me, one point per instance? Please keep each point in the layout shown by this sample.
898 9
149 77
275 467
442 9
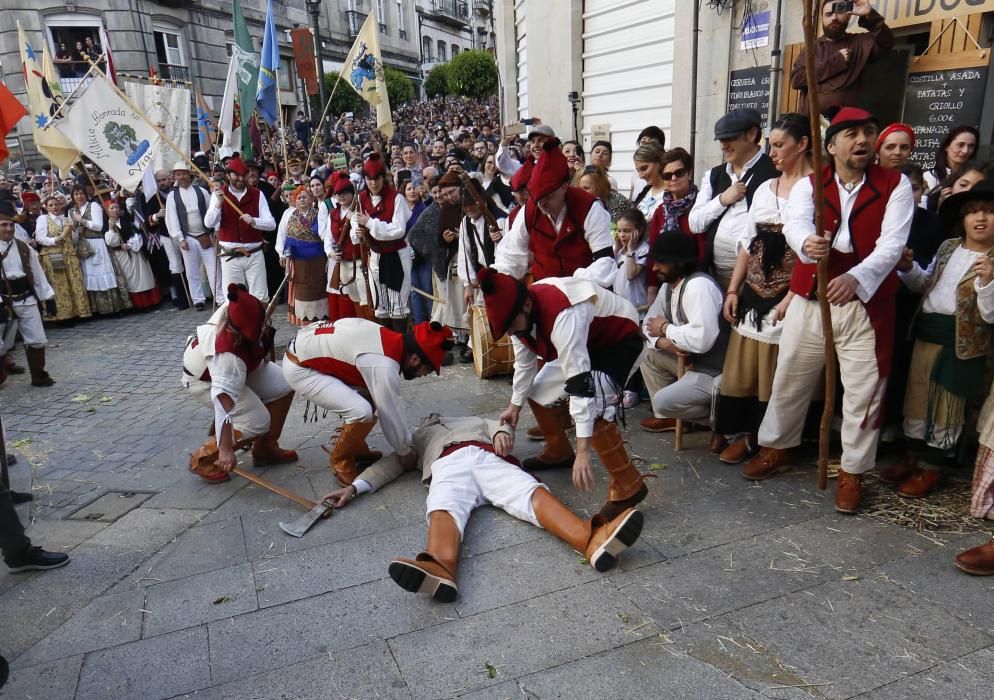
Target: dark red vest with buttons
563 252
383 212
341 233
865 222
233 229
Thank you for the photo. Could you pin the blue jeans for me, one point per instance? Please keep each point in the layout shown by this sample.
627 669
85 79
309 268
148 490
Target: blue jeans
421 279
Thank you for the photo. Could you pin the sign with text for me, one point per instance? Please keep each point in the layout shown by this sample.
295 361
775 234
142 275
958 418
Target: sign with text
600 132
750 88
755 31
900 13
938 100
303 55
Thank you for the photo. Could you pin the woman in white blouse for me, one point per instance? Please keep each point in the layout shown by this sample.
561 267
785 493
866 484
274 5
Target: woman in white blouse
106 295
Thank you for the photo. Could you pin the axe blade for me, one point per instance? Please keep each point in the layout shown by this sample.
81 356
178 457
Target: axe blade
301 525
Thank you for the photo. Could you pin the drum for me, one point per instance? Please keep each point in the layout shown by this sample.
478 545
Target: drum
490 358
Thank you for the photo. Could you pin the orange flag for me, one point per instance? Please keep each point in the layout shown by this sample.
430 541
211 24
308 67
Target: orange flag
11 112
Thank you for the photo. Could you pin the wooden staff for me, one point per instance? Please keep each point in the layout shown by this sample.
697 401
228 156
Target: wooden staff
681 369
811 10
324 113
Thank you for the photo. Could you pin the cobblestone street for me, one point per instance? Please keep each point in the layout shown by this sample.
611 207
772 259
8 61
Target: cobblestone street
177 588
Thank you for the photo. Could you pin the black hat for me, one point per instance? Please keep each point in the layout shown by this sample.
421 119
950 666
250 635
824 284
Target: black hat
7 210
736 123
674 247
950 212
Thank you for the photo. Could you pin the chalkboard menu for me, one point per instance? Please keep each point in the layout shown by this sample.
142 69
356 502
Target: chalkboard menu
938 100
750 88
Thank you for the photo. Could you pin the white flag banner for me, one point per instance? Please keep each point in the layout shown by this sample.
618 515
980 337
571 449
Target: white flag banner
229 122
107 131
168 107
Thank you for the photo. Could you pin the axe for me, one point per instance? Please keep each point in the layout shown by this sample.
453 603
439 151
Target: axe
301 525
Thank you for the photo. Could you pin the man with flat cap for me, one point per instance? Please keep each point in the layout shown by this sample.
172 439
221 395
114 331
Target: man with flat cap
722 207
867 216
241 234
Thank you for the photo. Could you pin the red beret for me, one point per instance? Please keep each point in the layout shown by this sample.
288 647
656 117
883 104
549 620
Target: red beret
373 167
503 297
846 118
551 171
519 180
237 166
29 196
339 182
893 129
245 313
434 340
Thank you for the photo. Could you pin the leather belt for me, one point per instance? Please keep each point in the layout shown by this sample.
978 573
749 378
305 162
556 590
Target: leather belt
231 253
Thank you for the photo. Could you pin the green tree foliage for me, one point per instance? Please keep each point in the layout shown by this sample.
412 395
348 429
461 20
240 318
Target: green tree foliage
345 99
400 87
437 82
472 74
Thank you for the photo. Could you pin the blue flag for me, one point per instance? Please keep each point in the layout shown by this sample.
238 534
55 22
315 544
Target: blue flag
265 96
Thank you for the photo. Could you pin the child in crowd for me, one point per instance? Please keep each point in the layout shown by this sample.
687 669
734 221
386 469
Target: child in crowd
631 252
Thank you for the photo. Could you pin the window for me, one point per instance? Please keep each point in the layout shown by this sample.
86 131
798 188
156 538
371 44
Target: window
381 16
455 51
401 22
426 50
285 74
169 53
441 51
73 36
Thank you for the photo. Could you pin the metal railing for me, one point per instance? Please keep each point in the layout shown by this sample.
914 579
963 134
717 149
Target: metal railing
354 21
168 71
453 9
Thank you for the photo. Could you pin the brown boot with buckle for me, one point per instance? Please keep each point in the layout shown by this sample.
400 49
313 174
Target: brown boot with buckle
978 561
769 462
899 472
627 486
557 452
266 450
848 492
920 484
342 459
598 539
433 571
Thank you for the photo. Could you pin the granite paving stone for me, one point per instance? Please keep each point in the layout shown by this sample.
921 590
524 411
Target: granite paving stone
199 599
52 680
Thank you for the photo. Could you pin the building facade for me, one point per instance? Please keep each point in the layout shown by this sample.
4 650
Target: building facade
190 41
448 27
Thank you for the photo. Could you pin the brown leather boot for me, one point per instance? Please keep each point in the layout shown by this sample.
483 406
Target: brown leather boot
342 459
599 540
627 486
978 561
920 484
740 450
266 449
557 452
718 443
10 366
848 492
899 472
769 462
36 365
433 571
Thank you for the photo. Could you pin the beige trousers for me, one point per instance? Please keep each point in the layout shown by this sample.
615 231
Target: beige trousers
799 366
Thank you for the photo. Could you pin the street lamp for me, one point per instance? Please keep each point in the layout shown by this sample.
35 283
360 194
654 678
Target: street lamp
314 8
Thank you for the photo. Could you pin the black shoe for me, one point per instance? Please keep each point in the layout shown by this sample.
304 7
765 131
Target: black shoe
465 356
11 460
37 559
18 498
43 379
199 306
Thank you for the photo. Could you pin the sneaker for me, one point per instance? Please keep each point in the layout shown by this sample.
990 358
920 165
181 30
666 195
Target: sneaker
37 559
631 399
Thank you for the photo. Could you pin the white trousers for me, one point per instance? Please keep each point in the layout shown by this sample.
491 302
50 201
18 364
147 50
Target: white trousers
550 387
173 254
471 477
328 392
688 398
250 417
799 367
191 260
389 303
27 319
250 271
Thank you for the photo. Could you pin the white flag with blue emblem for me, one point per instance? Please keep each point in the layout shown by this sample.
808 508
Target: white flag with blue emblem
117 138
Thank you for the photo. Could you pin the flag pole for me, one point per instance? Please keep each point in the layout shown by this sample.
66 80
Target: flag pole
324 113
814 114
162 134
279 108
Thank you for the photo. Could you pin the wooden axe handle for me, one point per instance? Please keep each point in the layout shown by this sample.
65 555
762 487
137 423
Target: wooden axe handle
279 490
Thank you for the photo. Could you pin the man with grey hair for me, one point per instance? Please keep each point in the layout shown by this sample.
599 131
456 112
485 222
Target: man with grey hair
186 206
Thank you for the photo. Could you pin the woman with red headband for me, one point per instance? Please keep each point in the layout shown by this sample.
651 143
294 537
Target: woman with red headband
895 145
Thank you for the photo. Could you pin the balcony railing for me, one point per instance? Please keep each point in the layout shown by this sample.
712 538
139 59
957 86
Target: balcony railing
71 73
456 11
354 21
483 7
171 72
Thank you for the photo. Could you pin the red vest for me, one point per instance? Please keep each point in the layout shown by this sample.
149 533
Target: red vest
332 348
383 212
548 302
233 229
865 221
559 253
341 234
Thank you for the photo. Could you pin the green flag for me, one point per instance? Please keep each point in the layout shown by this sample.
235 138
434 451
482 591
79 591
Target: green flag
248 74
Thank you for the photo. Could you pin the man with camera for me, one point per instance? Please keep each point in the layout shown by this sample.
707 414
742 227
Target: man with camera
538 134
841 57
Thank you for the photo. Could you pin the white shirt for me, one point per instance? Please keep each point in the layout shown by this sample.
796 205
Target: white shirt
506 162
41 229
263 222
701 307
513 256
873 268
12 270
708 207
392 230
188 196
942 298
464 267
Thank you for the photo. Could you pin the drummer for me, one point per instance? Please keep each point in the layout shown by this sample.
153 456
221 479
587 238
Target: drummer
478 239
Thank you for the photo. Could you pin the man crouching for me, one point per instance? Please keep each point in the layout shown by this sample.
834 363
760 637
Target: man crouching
467 463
